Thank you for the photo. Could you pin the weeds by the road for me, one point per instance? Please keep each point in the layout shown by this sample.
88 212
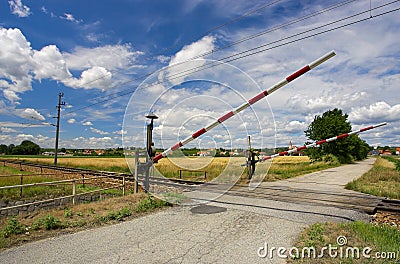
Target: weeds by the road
348 243
382 180
16 230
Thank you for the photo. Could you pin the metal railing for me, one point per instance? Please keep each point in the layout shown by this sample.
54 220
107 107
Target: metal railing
74 194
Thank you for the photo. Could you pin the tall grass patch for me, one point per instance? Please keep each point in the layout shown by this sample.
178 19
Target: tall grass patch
382 180
380 238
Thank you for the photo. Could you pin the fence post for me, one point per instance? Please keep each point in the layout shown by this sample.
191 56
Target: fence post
205 175
21 181
123 186
136 189
83 180
73 192
180 174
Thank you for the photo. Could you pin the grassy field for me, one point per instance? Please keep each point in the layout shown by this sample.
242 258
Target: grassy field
382 239
279 168
38 192
382 180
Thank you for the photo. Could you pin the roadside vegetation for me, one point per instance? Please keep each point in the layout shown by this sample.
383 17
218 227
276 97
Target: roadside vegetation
382 180
16 230
380 238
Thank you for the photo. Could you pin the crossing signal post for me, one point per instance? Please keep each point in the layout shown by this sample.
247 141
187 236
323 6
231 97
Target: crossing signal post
150 149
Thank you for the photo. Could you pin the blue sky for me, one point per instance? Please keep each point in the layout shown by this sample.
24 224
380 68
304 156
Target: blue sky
99 49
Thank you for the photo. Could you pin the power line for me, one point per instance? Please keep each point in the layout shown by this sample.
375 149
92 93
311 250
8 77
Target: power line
257 50
127 91
242 16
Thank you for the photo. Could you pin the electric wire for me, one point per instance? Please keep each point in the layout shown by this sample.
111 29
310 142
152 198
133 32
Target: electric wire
127 91
334 6
264 47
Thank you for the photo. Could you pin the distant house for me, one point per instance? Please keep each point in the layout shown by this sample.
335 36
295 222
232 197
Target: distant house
387 153
99 152
397 151
374 152
87 152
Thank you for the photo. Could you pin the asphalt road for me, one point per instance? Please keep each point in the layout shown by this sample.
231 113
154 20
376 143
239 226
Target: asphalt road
236 234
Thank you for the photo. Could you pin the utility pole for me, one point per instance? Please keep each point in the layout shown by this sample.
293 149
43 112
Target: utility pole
58 125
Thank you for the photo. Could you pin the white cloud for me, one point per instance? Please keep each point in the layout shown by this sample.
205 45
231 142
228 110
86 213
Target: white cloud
50 64
20 64
108 56
163 58
195 49
15 63
70 18
177 71
96 77
7 130
71 121
120 132
11 95
91 142
29 113
19 9
376 112
87 123
98 131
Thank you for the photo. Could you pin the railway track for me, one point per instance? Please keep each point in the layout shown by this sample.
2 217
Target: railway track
114 175
361 202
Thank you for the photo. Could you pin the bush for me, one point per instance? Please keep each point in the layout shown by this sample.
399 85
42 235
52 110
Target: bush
150 203
119 214
331 159
67 213
49 222
13 227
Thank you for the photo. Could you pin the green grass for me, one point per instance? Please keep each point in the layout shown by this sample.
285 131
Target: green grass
382 180
380 238
33 192
150 203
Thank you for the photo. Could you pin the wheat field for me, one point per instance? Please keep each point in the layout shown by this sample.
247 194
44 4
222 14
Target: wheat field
278 168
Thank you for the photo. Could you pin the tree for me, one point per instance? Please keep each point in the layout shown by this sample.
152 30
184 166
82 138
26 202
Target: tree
10 149
3 149
333 123
26 148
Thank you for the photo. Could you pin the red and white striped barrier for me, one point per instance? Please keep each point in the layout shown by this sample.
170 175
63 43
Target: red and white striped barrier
246 105
283 153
